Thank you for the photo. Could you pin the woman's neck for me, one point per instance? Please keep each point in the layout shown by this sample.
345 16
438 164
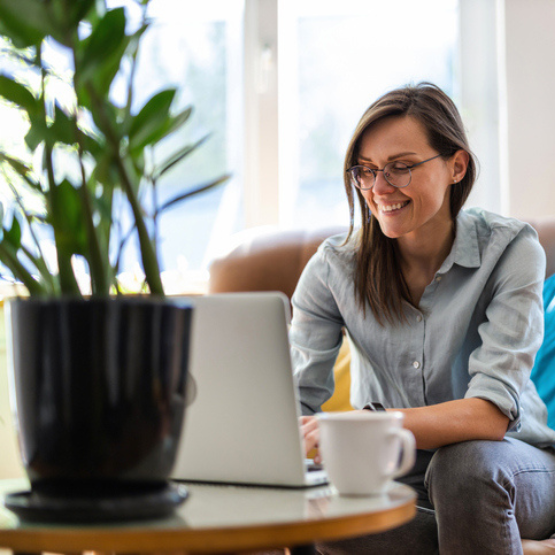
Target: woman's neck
423 254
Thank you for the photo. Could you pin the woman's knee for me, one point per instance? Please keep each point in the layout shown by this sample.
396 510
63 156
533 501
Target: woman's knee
466 470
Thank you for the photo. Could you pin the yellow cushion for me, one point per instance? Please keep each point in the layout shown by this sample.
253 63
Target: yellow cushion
340 400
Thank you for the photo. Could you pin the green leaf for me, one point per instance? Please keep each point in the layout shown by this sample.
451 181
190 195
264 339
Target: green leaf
79 10
34 138
20 167
184 196
103 49
92 144
13 235
105 171
94 16
138 160
150 123
178 157
63 129
67 217
106 74
170 125
22 170
18 94
133 177
105 117
37 132
48 279
178 120
25 22
9 258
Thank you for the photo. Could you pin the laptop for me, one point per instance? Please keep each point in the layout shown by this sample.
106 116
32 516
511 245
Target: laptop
241 423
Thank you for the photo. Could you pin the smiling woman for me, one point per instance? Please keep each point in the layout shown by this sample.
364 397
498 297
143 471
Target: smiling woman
442 308
407 128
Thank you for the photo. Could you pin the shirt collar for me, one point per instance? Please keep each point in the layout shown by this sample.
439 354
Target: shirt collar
465 250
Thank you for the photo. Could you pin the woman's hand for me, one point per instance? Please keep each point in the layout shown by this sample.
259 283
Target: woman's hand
311 436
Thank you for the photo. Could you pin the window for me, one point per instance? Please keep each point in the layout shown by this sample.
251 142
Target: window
335 59
279 87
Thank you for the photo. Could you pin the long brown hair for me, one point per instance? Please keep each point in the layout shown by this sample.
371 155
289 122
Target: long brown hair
378 276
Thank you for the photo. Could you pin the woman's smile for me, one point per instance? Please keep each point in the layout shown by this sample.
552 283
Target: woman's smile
392 209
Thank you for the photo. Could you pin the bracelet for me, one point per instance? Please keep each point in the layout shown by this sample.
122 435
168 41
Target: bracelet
375 407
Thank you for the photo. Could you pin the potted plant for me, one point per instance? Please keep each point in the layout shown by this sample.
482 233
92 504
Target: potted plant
98 377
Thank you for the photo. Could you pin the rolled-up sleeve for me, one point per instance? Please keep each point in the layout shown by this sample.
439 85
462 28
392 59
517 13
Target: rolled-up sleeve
512 332
316 334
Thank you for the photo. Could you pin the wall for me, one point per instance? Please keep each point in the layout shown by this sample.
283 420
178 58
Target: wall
529 51
10 465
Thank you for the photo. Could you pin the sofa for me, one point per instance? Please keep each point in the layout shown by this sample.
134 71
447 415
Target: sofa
273 260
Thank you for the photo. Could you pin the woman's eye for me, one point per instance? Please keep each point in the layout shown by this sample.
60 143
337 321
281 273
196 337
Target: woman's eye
400 166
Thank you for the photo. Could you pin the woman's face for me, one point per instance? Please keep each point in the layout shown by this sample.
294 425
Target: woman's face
422 206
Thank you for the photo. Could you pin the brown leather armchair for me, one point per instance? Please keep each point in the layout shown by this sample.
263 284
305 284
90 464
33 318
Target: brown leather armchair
273 261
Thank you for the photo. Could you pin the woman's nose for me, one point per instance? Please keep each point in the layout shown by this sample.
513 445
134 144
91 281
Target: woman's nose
381 186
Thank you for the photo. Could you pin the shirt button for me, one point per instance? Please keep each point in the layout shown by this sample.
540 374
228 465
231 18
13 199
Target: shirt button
419 318
416 364
438 278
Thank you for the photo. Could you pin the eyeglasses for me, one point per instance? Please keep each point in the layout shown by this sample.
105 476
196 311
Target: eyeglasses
396 174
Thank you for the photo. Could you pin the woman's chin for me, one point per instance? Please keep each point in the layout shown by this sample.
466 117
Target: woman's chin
391 231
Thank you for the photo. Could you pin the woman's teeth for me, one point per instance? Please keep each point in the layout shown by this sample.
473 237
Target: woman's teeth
392 207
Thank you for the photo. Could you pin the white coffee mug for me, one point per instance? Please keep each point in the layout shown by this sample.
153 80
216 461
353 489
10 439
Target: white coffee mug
363 451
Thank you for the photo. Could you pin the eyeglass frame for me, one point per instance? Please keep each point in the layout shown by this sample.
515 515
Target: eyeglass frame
375 174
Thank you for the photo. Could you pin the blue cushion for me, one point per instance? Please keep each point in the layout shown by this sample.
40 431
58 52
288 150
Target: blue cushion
543 372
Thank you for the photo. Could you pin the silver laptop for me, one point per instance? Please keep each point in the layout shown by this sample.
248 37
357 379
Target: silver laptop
241 424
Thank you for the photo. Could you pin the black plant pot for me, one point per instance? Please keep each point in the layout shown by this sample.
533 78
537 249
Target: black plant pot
98 392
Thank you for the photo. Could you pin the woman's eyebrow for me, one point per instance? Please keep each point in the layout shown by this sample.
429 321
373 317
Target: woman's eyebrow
393 157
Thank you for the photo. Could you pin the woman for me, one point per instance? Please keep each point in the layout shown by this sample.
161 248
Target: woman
443 311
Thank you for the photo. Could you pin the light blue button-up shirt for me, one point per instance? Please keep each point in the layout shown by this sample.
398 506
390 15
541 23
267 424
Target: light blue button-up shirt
475 333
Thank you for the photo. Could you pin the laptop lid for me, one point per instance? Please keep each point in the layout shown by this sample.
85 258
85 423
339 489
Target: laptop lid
241 423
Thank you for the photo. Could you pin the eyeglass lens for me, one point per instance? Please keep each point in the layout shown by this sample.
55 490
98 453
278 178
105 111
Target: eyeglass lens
396 174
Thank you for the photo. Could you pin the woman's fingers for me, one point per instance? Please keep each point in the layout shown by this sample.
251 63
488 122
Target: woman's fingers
310 433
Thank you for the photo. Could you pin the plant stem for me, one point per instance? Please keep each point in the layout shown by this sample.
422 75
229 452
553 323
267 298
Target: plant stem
100 282
148 254
68 283
150 262
152 180
134 57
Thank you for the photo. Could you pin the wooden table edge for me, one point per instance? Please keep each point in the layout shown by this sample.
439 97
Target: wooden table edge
207 540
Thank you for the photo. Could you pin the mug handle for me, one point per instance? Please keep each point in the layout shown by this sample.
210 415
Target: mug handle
408 450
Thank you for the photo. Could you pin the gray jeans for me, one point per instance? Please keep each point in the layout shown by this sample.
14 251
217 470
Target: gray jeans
475 497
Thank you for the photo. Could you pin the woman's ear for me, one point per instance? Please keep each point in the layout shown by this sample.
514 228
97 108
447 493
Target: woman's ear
460 164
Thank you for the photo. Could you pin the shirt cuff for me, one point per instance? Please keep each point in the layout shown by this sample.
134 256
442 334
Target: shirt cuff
497 393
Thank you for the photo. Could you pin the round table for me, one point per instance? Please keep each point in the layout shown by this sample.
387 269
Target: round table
220 519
